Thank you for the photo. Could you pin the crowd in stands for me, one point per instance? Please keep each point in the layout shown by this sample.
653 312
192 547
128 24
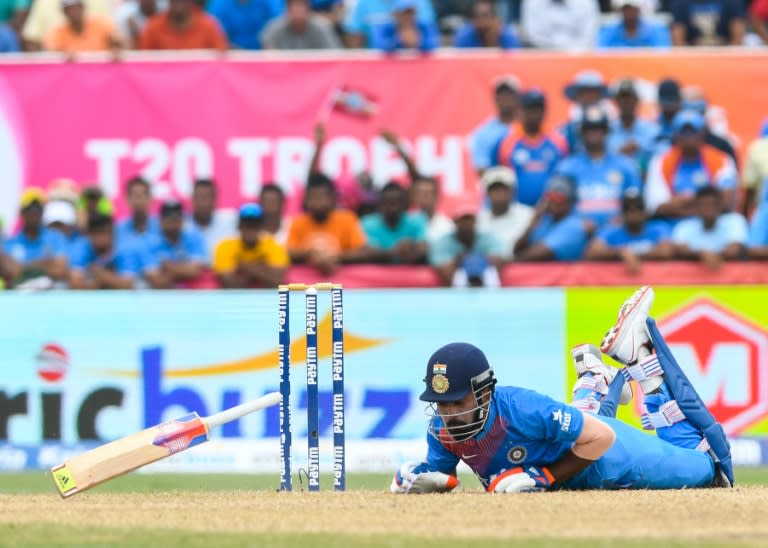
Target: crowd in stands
609 185
74 26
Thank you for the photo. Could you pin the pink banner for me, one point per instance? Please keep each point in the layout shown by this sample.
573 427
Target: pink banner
247 122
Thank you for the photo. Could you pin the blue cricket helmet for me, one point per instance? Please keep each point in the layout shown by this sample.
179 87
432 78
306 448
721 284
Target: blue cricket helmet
454 370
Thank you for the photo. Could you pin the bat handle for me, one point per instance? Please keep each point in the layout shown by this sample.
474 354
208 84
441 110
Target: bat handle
234 413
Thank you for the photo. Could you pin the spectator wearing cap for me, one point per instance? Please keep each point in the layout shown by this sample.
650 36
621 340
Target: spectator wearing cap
674 176
405 31
630 135
633 30
601 176
560 24
670 102
179 252
588 88
713 234
81 31
101 261
324 236
694 99
44 15
272 202
556 232
467 256
756 173
140 225
505 217
531 152
185 26
365 15
299 28
485 29
211 223
131 17
635 240
707 22
395 234
244 20
40 251
252 259
484 138
61 216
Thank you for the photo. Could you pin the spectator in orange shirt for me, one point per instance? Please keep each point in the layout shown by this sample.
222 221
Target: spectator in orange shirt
183 26
81 32
324 236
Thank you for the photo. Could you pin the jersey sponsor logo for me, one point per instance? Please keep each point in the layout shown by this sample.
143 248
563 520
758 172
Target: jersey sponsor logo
517 454
562 418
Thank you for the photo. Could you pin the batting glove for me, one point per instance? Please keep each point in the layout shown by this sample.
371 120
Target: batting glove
416 478
519 480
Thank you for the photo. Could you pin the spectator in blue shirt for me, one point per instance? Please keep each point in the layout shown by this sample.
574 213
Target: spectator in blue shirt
713 235
588 88
140 225
467 256
395 234
601 176
530 151
487 135
366 14
102 262
405 31
708 22
40 251
633 31
243 20
485 29
556 232
179 252
670 102
634 240
9 42
629 135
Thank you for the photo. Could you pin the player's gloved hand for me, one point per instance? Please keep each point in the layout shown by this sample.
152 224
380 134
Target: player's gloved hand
521 480
416 478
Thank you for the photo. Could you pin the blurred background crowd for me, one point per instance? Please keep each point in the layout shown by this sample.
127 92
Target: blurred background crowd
610 183
74 26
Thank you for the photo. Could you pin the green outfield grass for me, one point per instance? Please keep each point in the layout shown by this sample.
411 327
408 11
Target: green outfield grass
40 482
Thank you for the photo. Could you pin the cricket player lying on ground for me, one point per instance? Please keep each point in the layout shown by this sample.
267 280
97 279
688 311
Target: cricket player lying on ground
517 440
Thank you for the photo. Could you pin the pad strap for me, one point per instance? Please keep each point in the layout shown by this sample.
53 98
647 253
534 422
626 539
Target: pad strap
668 414
594 383
644 370
587 405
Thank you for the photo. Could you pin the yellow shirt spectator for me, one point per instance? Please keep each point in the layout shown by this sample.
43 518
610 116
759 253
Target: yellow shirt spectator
231 253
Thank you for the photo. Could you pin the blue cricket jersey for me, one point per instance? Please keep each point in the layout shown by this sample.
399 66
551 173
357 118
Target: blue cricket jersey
526 428
533 159
190 247
650 236
600 183
48 244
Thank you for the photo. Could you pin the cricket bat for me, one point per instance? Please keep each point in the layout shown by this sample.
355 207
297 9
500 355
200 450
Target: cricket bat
131 452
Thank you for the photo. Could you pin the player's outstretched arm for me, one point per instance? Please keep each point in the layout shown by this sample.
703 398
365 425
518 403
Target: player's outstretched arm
595 439
418 478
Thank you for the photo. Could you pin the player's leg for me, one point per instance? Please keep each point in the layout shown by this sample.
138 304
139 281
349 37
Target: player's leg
598 389
674 408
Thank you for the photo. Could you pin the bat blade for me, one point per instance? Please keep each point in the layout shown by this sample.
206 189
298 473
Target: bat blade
136 450
127 454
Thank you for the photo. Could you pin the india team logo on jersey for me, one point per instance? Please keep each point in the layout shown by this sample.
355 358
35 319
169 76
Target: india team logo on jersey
440 382
517 454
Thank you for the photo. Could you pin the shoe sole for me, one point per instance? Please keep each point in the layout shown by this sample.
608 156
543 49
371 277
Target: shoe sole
613 336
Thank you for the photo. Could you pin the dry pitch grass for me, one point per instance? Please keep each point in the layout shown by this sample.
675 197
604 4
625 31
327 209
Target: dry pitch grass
685 518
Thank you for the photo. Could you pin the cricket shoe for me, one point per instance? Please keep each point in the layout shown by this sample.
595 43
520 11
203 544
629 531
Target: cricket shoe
587 359
628 340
